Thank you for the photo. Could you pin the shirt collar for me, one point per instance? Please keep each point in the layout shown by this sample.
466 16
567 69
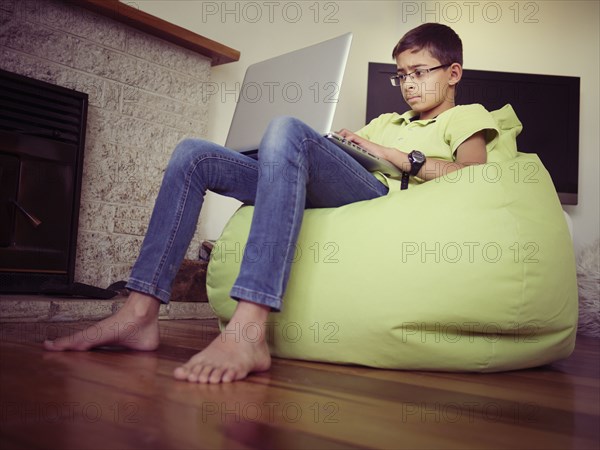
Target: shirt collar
411 116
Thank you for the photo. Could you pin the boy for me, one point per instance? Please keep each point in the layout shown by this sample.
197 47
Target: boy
432 139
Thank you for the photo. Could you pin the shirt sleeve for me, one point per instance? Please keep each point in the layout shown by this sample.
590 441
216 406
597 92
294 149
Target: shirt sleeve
468 120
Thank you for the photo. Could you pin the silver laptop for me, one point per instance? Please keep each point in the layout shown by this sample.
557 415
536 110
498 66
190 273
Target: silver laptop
304 84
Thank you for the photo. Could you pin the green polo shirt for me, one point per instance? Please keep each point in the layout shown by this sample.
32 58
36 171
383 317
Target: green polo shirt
437 138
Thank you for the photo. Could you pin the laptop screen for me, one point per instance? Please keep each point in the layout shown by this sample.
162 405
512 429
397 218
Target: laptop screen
304 84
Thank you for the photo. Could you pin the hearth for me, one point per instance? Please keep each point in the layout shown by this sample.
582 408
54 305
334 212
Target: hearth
42 137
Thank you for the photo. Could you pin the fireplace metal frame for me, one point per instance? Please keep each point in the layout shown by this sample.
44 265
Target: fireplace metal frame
35 113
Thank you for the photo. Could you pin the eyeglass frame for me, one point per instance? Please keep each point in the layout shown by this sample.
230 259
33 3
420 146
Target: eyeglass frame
402 77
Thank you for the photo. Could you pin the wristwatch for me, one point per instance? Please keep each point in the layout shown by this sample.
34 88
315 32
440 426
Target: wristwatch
416 159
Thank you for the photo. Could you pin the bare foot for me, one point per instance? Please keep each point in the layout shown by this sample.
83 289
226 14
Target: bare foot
134 326
239 350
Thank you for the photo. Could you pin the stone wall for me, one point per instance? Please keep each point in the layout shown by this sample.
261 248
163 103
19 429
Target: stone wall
145 95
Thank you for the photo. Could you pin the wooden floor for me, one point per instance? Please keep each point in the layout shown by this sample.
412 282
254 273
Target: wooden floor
121 399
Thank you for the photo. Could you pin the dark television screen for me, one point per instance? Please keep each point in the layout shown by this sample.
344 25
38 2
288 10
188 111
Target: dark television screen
547 105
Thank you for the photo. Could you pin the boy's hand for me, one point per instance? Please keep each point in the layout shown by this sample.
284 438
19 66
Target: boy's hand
371 147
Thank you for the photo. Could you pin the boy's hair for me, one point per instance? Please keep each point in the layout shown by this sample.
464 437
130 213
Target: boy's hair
440 40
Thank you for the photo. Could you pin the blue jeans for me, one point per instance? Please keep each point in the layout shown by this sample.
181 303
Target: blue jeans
297 168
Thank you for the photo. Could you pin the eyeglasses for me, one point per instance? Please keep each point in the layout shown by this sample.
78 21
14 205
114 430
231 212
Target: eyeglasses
417 75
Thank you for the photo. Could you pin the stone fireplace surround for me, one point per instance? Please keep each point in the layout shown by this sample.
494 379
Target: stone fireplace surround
145 95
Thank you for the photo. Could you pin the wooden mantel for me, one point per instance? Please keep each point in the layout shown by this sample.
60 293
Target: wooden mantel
218 53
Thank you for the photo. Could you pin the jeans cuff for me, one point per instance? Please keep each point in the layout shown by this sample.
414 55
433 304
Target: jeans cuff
148 289
260 298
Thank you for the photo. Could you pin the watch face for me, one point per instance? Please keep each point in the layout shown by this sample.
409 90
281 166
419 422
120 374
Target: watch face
418 157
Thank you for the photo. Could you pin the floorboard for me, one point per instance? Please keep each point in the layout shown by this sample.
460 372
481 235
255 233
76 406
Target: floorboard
111 398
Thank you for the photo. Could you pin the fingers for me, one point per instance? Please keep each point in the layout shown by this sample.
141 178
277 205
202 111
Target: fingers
349 135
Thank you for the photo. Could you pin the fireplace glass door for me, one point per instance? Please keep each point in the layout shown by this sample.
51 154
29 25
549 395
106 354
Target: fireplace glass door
42 129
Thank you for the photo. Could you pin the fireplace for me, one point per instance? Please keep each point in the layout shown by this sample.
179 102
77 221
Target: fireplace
42 137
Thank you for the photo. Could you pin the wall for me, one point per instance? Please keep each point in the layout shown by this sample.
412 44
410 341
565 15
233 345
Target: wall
545 37
144 97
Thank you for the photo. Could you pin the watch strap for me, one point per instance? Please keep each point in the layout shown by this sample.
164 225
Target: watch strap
404 181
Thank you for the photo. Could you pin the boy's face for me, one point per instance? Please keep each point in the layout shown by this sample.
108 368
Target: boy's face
428 94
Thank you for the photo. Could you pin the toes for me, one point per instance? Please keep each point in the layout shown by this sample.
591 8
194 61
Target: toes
192 371
49 345
59 345
216 375
228 376
184 371
181 373
192 378
203 374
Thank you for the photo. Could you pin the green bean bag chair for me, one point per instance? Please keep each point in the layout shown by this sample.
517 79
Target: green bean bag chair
473 271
